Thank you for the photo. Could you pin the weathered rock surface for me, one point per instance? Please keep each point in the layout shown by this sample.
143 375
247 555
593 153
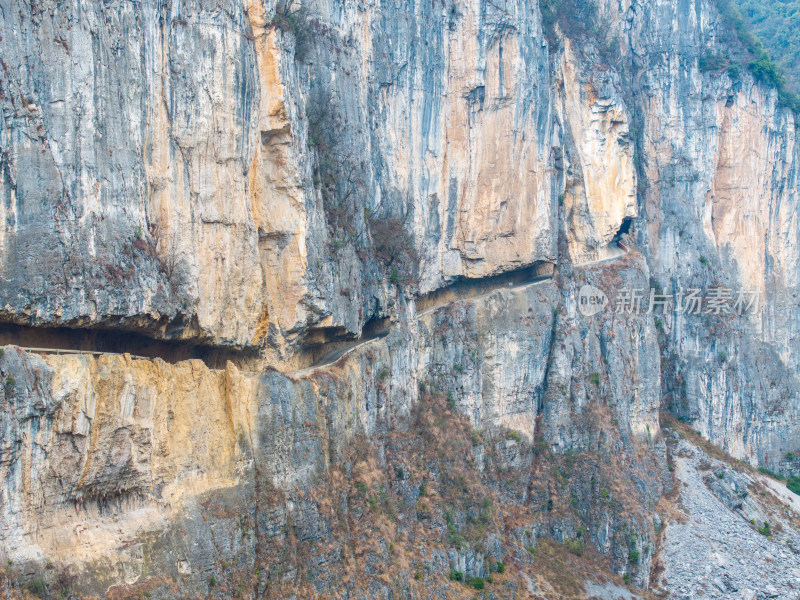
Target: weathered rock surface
117 457
167 150
240 177
718 160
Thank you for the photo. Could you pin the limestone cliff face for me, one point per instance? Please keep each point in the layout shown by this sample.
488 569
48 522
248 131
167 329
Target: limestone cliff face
718 156
128 473
246 177
600 177
166 148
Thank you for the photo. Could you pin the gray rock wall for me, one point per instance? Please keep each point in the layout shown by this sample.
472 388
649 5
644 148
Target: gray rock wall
236 176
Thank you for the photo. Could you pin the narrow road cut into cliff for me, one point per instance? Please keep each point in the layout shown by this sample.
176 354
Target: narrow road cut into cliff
467 289
64 340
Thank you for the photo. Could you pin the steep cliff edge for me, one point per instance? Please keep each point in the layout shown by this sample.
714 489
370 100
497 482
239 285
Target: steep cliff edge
347 207
718 156
454 443
203 183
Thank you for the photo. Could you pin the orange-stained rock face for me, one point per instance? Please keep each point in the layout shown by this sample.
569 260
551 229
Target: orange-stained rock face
220 229
372 222
497 167
122 466
277 198
601 181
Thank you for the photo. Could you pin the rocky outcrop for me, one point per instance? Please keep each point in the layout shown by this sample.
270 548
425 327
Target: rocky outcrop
717 155
139 463
355 181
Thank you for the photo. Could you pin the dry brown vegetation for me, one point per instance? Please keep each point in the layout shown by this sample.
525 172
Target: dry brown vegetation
560 574
390 503
695 438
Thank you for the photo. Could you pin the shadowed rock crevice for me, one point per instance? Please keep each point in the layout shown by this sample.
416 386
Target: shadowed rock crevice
324 346
624 229
58 339
321 346
464 289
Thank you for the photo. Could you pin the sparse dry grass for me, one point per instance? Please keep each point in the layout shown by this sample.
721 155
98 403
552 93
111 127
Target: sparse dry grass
561 574
366 521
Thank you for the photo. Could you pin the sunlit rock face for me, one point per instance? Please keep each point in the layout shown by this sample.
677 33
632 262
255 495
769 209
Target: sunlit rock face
124 469
600 183
126 159
719 160
159 174
441 178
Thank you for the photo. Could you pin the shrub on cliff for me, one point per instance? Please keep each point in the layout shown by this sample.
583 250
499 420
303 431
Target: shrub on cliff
36 586
765 70
765 530
394 247
710 61
456 575
294 20
576 18
338 173
575 546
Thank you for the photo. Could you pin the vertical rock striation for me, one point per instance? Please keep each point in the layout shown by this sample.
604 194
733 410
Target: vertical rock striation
256 178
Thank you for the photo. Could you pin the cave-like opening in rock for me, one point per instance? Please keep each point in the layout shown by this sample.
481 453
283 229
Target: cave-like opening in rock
464 288
624 229
56 340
